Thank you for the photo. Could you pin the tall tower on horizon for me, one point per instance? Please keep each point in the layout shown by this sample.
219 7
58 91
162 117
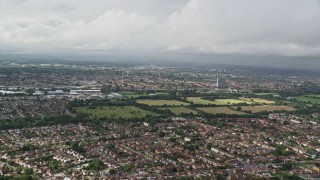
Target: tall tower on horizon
221 83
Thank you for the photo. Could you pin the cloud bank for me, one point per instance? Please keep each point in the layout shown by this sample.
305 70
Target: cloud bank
259 27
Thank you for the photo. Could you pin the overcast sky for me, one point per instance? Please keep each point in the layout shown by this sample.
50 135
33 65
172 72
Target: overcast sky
258 27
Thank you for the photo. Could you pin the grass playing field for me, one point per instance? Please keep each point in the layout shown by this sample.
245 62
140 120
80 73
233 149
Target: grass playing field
257 100
313 100
218 110
180 110
116 112
267 108
198 100
152 102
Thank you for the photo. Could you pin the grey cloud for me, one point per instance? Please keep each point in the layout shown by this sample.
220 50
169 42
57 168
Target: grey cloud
281 27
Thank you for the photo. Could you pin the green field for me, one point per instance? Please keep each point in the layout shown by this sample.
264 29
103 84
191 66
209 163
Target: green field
152 102
307 98
314 95
267 108
116 112
180 110
218 110
257 100
198 100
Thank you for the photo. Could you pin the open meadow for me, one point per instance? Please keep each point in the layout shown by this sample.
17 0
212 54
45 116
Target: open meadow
313 99
268 108
198 100
257 100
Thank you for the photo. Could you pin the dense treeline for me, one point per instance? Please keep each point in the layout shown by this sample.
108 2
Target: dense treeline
308 110
65 119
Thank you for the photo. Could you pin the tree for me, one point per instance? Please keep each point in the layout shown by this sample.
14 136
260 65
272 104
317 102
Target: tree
174 170
28 147
106 89
95 165
76 147
53 165
27 171
19 169
161 134
30 91
287 166
127 168
112 171
209 146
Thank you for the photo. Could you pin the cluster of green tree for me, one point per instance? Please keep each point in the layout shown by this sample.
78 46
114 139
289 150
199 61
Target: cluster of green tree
44 158
154 109
27 147
22 174
283 175
127 168
187 93
310 88
262 91
112 171
76 147
191 147
307 110
95 165
290 93
282 151
3 147
212 97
